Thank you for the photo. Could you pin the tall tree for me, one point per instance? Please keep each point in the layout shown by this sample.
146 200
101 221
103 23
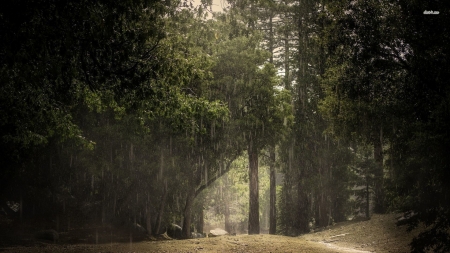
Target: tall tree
376 80
257 108
315 165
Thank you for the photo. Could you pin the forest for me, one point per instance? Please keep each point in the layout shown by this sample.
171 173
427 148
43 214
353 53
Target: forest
270 116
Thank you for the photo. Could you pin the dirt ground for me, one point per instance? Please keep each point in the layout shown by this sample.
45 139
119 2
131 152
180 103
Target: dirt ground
380 234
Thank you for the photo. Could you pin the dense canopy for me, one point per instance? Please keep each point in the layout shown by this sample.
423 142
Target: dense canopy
278 116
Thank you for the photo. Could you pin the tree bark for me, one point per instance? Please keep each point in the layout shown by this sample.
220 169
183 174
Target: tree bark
148 220
253 216
367 199
380 206
273 194
273 187
186 232
303 207
200 222
227 219
161 209
227 205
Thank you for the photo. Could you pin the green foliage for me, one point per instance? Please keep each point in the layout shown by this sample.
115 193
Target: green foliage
51 52
129 109
106 100
382 71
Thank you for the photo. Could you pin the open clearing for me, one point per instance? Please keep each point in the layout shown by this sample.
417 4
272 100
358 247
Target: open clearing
380 234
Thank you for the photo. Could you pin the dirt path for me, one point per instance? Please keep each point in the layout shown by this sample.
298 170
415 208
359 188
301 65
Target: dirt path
380 234
334 247
240 243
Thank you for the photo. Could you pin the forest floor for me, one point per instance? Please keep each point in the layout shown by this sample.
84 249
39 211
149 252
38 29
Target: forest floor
380 234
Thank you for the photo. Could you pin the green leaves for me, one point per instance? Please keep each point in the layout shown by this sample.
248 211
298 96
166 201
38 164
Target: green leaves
386 79
52 52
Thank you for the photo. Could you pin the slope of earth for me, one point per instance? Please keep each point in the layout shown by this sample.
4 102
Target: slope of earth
379 234
239 243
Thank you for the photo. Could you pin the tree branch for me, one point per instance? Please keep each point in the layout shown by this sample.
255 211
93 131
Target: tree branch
215 177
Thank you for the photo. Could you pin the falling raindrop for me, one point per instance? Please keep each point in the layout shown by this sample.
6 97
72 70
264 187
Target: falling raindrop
161 167
131 155
291 152
131 241
115 202
206 176
212 129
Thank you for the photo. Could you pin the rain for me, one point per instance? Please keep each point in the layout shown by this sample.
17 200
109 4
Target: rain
224 126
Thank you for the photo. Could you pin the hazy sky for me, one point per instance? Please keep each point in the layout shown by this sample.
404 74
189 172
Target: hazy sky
217 4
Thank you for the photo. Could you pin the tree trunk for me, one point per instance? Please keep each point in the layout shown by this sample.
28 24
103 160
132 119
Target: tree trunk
161 209
227 205
379 174
273 194
200 222
21 208
303 207
148 220
367 199
253 216
186 232
287 84
227 219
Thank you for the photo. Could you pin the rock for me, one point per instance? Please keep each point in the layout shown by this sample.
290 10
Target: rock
174 231
404 219
196 235
217 232
48 235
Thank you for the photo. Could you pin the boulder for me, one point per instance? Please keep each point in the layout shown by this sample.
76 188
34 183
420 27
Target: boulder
174 231
405 218
196 235
217 232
